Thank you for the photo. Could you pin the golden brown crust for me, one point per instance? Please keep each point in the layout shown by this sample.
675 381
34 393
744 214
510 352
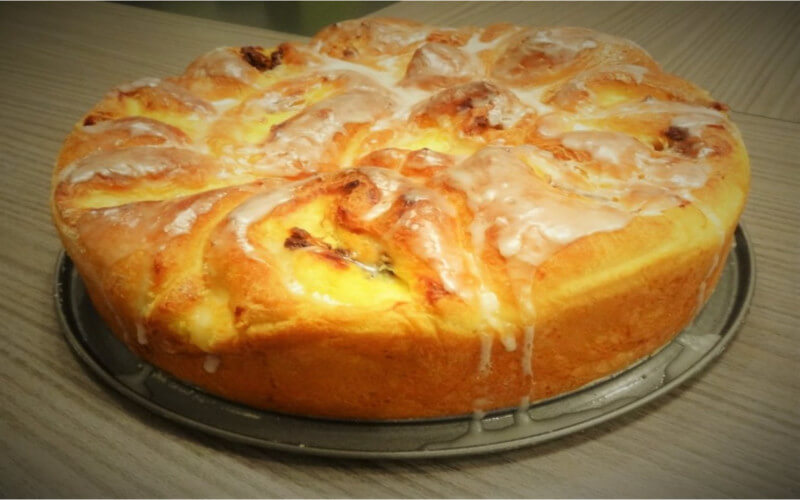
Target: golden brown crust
399 220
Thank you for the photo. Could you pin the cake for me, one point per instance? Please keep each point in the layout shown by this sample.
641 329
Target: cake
395 220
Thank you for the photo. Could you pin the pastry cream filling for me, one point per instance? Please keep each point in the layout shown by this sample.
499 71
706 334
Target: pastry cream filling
320 272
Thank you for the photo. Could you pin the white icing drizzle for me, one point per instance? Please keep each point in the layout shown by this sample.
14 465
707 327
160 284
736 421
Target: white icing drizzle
521 415
119 216
629 176
222 105
388 184
141 334
224 62
701 295
561 43
270 101
485 362
622 72
694 122
503 108
182 223
509 342
699 342
527 349
139 84
295 287
185 220
539 219
429 242
137 126
714 220
427 219
710 216
325 298
404 96
603 146
531 219
211 363
553 124
170 89
560 46
475 46
532 96
402 37
132 162
694 115
437 64
636 72
475 424
490 308
301 143
256 208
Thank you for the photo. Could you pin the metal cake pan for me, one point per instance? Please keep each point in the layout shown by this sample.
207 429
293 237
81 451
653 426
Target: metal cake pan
702 341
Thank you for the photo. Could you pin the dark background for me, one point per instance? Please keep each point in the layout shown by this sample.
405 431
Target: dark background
303 18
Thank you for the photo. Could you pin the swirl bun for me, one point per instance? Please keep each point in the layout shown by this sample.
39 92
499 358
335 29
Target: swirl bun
397 220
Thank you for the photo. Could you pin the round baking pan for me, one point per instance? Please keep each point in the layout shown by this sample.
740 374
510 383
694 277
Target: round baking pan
95 345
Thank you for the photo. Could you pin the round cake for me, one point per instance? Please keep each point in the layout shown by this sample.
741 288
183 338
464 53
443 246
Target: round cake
397 220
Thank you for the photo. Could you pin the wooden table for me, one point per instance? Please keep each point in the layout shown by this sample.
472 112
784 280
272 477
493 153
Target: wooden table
734 431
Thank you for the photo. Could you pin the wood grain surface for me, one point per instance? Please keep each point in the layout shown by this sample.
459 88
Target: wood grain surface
733 431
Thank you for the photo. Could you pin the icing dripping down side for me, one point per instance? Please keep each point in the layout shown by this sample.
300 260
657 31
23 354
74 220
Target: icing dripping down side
527 350
211 363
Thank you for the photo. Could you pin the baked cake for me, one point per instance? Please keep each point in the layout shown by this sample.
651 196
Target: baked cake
397 220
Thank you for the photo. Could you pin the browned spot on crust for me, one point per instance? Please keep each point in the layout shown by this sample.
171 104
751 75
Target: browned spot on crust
449 37
299 238
720 106
559 151
480 124
676 134
255 58
95 118
335 258
495 30
469 104
350 186
434 291
680 141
